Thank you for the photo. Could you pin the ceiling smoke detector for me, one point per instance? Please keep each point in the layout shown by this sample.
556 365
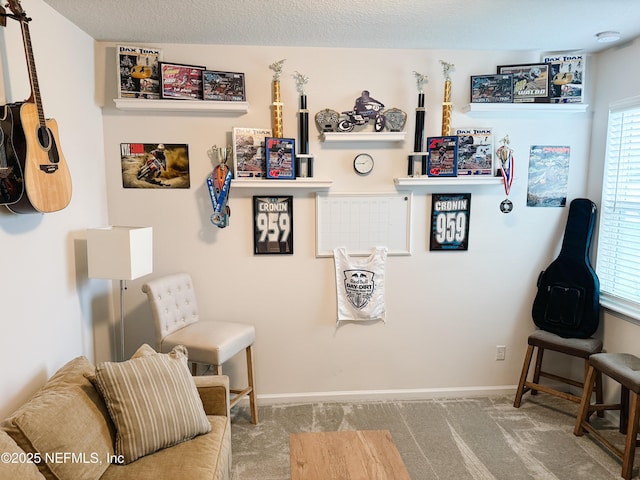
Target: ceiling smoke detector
608 37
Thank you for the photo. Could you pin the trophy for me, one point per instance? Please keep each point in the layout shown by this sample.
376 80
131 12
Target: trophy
276 105
418 137
505 155
303 130
446 104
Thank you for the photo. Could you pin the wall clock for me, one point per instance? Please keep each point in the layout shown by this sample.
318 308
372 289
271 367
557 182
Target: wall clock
363 164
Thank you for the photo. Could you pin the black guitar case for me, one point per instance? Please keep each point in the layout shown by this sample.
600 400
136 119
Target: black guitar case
568 298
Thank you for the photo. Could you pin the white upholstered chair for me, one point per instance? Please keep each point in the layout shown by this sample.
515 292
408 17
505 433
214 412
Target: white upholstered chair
209 342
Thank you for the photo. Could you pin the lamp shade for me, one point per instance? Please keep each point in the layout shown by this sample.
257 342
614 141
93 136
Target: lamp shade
120 253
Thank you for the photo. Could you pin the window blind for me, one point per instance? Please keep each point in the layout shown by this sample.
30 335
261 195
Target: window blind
618 252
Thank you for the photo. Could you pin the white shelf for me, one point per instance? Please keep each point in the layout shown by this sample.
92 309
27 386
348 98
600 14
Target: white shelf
466 180
313 184
330 137
193 106
521 109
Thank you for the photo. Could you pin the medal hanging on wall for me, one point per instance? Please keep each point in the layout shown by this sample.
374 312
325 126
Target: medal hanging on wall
505 155
219 184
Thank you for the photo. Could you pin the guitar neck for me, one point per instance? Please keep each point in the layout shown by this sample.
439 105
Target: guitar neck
578 232
33 77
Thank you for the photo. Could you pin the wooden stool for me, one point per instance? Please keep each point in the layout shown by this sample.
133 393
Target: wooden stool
624 368
575 347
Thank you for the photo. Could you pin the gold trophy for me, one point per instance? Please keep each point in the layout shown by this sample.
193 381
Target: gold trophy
446 104
276 105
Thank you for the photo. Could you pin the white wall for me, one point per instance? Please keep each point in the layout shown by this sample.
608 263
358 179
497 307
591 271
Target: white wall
447 311
49 309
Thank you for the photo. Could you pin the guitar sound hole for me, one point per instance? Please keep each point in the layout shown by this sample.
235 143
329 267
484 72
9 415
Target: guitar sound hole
44 137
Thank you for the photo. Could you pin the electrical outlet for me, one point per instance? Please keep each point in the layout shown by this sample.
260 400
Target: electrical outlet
501 352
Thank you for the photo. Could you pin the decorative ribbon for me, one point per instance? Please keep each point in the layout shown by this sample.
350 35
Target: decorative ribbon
505 154
219 183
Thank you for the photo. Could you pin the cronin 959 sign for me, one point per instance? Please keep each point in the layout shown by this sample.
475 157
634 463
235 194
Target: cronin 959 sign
273 225
450 221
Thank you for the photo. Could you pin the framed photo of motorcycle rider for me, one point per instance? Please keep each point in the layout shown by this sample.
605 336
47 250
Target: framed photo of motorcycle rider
180 82
530 82
280 158
155 165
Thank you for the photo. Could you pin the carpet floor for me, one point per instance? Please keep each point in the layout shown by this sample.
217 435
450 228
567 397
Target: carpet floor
478 438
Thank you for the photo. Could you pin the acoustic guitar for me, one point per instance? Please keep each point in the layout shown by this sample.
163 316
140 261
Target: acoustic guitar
11 180
47 181
568 298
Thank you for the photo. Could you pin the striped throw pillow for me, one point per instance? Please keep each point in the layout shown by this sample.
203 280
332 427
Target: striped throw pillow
153 402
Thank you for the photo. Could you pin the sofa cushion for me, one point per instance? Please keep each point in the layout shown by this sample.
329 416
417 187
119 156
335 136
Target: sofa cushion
204 457
67 415
16 462
153 402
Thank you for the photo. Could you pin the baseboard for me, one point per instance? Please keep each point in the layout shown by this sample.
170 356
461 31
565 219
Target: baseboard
381 395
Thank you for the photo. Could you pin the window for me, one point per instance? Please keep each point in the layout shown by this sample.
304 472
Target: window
618 256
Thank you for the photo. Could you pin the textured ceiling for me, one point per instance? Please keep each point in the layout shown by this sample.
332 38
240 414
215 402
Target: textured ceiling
544 25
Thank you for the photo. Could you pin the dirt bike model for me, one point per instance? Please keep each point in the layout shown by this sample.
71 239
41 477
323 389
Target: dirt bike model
372 110
150 170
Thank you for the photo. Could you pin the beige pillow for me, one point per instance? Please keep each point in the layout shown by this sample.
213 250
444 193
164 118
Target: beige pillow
143 350
15 462
153 402
67 415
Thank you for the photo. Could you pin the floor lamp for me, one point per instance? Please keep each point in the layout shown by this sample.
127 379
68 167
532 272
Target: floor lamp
120 253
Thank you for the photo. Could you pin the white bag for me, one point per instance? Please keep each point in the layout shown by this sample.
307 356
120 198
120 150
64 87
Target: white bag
360 285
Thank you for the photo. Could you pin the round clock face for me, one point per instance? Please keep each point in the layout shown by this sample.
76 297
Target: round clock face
363 164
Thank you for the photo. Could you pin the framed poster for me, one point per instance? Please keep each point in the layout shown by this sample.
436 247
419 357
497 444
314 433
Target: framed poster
566 77
494 88
138 74
248 152
475 151
450 214
548 175
280 158
530 82
223 86
180 82
442 155
273 225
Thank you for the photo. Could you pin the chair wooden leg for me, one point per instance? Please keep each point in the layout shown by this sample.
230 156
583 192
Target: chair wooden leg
523 376
624 410
252 394
538 369
583 411
632 433
217 369
599 393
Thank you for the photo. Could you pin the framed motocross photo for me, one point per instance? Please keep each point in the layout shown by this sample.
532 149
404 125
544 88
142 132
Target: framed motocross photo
442 156
530 82
223 86
280 158
492 88
273 225
155 165
180 82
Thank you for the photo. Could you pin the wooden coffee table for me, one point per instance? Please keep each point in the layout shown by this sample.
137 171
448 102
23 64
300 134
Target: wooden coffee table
350 455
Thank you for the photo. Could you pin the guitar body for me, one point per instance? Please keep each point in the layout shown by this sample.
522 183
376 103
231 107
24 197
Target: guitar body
11 179
46 174
568 299
47 182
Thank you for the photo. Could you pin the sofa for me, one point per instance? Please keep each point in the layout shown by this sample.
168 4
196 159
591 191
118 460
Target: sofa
83 425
